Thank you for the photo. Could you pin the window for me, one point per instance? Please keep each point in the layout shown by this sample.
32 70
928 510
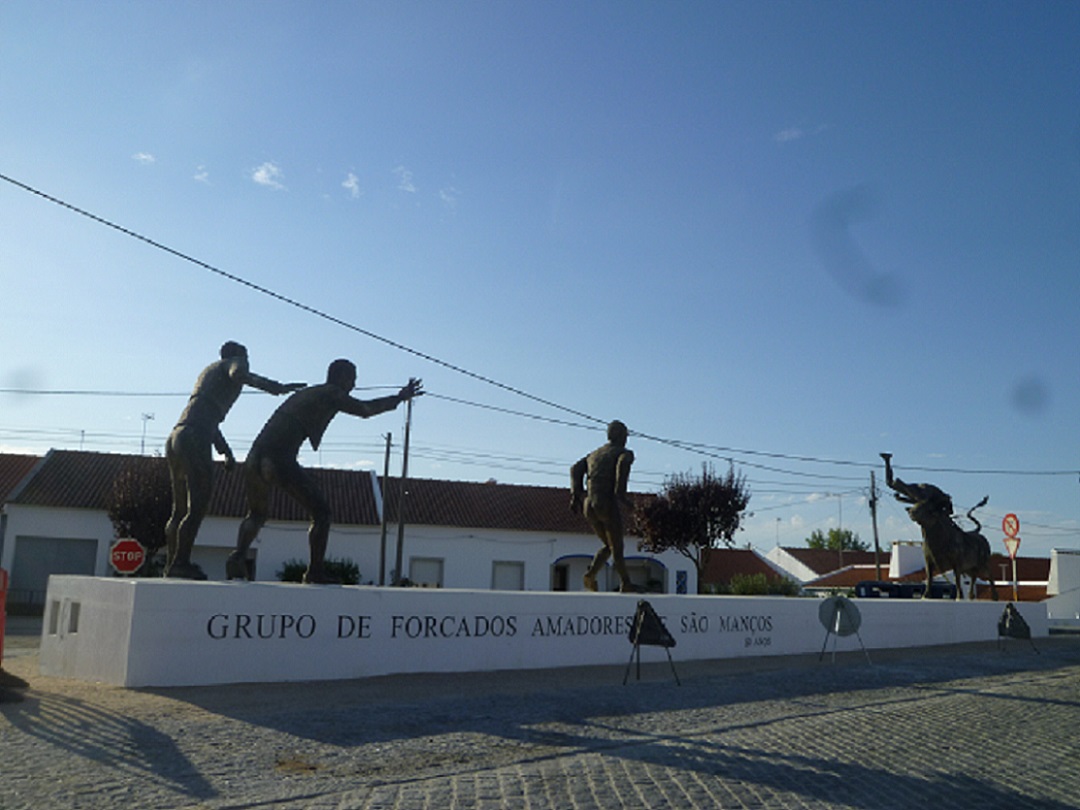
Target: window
560 578
507 576
426 571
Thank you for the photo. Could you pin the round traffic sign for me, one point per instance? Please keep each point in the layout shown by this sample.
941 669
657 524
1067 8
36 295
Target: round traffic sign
126 555
1010 525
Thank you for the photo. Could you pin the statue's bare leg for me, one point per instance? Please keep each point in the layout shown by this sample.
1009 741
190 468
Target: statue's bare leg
598 563
181 567
616 540
191 471
179 510
301 487
258 496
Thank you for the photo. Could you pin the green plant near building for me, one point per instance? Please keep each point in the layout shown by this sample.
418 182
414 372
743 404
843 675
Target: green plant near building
344 571
761 585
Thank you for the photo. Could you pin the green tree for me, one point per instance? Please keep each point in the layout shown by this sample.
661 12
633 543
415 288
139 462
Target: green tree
836 540
693 514
139 504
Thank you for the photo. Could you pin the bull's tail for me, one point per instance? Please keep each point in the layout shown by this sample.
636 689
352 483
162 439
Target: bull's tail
971 513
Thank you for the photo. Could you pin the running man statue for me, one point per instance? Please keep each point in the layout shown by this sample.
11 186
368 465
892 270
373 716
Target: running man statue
187 450
272 460
608 471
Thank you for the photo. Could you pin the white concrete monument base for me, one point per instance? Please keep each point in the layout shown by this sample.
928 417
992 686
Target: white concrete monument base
158 632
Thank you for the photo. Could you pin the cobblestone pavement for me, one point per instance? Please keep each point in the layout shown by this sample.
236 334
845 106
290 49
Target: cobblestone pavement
971 726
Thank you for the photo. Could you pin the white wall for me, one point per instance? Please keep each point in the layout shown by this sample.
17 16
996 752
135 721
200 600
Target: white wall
37 521
156 632
468 554
1063 606
790 566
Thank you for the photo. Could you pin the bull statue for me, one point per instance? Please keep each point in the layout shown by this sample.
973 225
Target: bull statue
946 547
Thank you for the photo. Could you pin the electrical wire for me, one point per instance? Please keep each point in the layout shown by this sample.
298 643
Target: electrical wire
294 303
709 451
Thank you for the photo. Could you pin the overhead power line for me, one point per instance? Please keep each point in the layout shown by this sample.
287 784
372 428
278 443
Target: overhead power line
710 451
319 313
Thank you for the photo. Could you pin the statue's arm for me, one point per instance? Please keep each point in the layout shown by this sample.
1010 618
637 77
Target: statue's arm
370 407
271 386
622 475
223 448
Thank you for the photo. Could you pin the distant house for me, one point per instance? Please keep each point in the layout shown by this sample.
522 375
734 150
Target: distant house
825 572
808 564
456 534
722 565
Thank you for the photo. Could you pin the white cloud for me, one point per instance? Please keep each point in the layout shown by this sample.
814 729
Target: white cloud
449 196
405 182
798 133
268 175
202 175
352 185
145 158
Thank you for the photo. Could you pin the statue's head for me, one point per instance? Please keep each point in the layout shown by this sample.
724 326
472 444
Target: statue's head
929 512
231 349
342 373
617 433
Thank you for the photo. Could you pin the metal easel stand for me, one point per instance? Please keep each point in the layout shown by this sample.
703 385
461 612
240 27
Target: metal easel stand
648 629
840 617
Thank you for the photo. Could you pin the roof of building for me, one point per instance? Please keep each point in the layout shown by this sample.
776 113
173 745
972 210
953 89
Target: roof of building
822 561
13 469
851 575
73 479
1028 569
485 506
724 563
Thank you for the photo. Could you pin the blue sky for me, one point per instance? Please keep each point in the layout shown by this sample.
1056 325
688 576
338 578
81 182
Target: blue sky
793 234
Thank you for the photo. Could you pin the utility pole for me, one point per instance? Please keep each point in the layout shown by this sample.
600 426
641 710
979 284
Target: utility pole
873 518
401 496
146 417
382 537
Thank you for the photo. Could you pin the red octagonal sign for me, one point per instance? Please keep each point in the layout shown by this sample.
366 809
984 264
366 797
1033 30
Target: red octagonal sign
126 555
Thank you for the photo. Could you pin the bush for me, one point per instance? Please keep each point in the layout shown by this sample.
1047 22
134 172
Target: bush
761 585
344 571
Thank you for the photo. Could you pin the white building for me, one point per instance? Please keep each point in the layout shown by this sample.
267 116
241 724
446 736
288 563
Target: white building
456 534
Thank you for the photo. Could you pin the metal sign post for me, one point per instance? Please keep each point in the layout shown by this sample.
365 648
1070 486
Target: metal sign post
1011 526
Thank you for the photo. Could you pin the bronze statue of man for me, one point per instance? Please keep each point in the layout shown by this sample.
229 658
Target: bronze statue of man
272 460
608 471
191 463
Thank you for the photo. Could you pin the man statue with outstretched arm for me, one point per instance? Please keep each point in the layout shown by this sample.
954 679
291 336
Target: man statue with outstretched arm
272 460
608 471
188 450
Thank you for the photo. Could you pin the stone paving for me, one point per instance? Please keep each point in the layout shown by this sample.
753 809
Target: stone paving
971 726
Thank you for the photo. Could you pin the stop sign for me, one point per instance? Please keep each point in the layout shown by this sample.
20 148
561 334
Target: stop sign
126 555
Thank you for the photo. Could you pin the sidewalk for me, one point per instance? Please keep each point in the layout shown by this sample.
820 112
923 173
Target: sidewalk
959 727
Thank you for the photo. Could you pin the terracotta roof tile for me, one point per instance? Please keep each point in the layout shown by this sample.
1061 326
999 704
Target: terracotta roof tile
822 561
81 480
724 563
485 506
13 469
